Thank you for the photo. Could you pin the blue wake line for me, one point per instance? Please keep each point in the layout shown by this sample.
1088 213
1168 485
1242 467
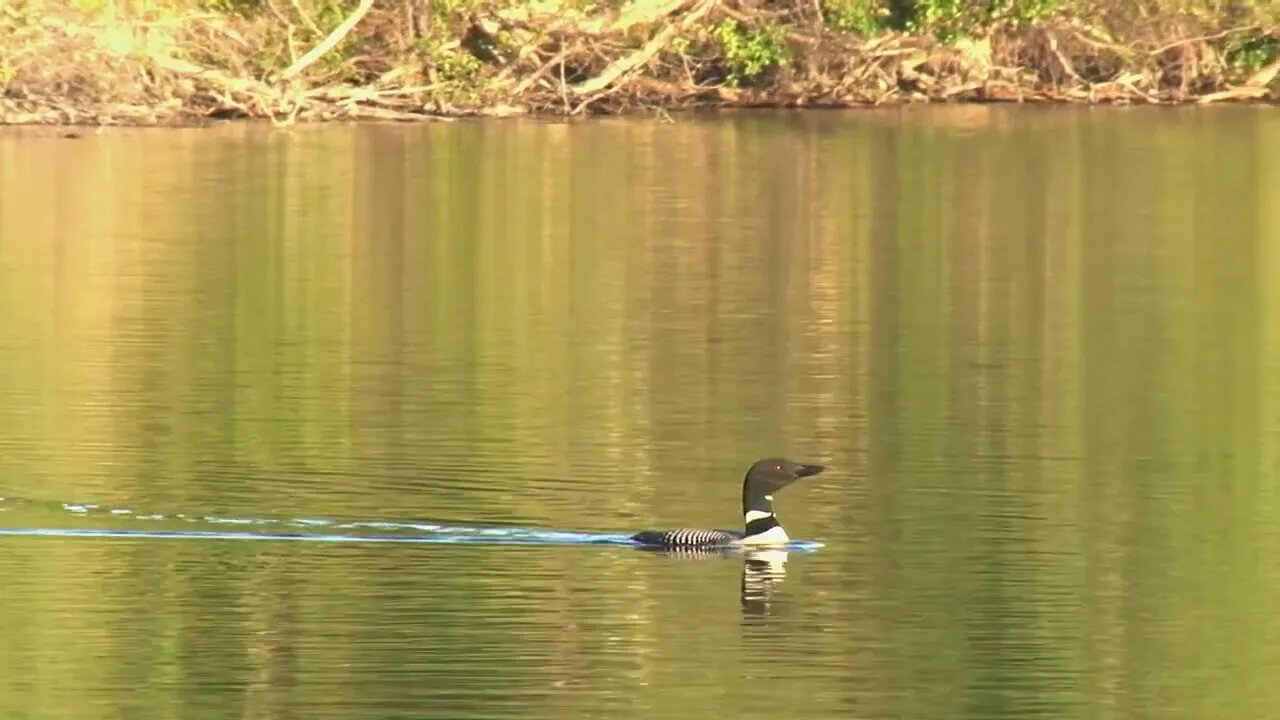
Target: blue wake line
548 538
321 530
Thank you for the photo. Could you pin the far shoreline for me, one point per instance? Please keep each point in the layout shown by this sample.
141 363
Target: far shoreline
88 64
81 128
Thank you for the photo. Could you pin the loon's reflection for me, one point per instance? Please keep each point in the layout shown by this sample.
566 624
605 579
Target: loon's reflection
763 570
762 574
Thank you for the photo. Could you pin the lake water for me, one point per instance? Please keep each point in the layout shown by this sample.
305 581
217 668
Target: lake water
1039 349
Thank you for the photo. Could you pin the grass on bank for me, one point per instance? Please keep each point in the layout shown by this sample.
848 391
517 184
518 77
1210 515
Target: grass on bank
145 61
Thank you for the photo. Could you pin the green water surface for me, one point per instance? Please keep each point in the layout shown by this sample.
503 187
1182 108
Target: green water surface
1038 349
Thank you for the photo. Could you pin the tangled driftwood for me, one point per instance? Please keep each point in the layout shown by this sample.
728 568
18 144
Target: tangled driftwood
547 58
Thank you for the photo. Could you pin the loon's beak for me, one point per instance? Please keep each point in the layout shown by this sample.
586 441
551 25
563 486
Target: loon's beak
807 470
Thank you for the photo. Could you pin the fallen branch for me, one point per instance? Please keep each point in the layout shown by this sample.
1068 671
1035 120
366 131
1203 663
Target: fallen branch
311 24
1202 38
1062 59
329 42
1265 76
1238 93
639 13
642 56
557 59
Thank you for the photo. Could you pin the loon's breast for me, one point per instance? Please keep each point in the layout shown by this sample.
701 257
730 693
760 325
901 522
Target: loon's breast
775 535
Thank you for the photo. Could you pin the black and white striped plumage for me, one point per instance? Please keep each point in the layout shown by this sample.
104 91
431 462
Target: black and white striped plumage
686 538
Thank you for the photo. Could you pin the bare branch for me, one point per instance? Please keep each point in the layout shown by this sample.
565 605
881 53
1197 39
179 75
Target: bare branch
329 42
642 56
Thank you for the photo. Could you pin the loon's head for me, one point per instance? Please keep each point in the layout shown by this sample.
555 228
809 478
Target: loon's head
766 477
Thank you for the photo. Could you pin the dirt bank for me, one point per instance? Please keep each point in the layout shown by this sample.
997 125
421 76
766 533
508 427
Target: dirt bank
293 61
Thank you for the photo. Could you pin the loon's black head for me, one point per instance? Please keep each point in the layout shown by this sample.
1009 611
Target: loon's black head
768 476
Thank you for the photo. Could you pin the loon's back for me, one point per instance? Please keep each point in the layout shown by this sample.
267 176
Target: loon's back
687 537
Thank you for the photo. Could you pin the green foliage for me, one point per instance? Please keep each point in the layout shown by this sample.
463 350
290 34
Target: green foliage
863 17
328 14
948 19
1023 11
448 7
936 15
232 7
749 54
325 13
1254 52
91 8
450 62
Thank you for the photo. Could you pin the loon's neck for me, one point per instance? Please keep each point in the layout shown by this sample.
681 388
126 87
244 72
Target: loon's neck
760 521
762 526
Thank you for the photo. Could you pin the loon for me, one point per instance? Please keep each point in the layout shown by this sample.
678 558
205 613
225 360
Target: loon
763 479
